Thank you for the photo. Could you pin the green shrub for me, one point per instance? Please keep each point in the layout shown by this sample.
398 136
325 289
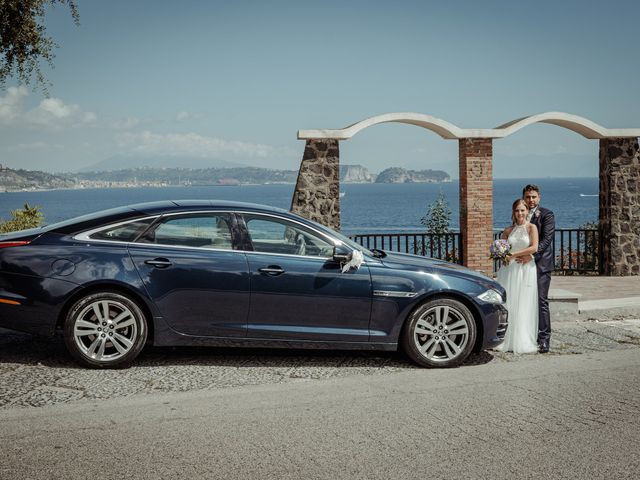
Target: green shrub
28 217
437 219
438 216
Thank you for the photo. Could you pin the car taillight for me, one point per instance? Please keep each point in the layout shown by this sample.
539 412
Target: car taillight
14 243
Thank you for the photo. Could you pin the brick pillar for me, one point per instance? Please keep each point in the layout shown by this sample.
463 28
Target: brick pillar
619 200
476 202
317 193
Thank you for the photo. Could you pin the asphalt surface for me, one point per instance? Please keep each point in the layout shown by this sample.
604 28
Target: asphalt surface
221 413
549 416
38 372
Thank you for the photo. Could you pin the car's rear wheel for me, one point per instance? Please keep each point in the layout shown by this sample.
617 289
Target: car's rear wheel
440 333
105 330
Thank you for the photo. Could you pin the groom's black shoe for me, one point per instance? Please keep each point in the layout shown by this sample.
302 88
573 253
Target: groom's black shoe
543 346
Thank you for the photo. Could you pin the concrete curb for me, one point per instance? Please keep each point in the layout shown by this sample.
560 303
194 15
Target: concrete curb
569 307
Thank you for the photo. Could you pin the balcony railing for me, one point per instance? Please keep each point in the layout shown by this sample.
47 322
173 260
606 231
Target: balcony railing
445 246
576 250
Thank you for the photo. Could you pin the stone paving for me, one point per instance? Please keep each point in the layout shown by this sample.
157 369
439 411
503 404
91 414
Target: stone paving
36 372
590 298
598 288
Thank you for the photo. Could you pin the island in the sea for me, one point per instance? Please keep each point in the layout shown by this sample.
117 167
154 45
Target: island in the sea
20 179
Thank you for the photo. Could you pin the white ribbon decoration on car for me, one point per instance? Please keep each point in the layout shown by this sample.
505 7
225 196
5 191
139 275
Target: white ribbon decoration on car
356 260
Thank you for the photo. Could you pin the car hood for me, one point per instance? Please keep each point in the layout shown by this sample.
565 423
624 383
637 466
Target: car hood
407 261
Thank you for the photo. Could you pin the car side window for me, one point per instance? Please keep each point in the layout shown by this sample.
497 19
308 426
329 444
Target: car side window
276 235
205 231
124 232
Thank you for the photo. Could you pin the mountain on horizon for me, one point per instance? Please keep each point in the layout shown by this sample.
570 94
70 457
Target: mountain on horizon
122 162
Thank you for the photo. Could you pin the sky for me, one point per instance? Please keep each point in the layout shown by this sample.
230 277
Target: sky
234 81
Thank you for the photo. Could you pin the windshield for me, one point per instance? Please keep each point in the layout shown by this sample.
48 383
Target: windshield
343 238
353 244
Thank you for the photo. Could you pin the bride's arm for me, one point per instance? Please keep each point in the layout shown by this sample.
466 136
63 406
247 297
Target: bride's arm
533 243
506 232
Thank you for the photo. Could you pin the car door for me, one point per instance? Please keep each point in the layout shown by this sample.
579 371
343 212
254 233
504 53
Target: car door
297 291
190 270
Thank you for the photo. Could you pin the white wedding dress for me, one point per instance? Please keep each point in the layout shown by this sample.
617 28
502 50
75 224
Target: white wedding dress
521 283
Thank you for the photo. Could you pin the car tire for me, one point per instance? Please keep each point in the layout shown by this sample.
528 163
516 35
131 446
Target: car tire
105 330
439 333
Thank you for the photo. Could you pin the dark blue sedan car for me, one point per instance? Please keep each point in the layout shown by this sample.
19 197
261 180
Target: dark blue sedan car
221 274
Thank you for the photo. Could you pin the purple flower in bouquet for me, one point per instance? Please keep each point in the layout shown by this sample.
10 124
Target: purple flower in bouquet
500 250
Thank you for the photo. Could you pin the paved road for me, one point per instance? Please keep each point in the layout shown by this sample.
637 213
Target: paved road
561 417
36 372
209 413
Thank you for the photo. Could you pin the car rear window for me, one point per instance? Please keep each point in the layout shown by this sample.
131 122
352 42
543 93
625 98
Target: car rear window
126 232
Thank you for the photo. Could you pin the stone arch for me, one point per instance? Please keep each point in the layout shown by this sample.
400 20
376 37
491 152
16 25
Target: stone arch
441 127
579 125
317 189
449 131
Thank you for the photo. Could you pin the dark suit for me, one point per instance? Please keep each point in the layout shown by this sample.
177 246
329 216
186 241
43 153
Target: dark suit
546 223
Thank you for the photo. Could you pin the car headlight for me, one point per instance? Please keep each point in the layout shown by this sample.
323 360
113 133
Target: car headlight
491 296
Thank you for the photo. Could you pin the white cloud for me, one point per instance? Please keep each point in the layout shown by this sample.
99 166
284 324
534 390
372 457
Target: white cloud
55 114
34 146
193 144
126 123
184 116
50 114
10 105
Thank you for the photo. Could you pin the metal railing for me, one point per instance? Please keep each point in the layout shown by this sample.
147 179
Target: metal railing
445 246
576 250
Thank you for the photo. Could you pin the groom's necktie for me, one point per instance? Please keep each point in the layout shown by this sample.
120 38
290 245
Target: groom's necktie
530 214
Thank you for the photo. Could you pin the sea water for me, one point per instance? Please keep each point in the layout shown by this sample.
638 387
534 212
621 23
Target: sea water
366 208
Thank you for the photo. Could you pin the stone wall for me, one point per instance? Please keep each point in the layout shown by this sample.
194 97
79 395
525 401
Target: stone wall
620 206
316 196
476 202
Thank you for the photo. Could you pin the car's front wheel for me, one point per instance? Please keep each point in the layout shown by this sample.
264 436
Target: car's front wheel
439 333
105 330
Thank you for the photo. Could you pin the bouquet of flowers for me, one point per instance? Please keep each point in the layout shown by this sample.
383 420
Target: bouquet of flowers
500 250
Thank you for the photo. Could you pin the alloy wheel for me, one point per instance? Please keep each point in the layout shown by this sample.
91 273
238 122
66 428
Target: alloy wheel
441 333
105 329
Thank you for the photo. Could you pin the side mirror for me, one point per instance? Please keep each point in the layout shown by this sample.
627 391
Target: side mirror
342 254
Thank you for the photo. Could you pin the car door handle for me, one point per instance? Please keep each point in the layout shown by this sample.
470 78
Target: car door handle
159 262
271 270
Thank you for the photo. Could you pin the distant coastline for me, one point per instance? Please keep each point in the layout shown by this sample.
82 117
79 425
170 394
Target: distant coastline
20 180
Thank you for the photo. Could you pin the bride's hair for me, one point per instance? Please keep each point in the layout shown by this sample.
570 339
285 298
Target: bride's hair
514 206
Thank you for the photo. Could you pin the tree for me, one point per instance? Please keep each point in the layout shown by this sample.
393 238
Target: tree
28 217
438 216
24 42
438 241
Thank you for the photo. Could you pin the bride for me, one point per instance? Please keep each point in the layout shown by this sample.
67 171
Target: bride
520 282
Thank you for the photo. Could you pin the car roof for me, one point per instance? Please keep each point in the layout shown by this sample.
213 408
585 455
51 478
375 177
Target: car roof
181 205
104 217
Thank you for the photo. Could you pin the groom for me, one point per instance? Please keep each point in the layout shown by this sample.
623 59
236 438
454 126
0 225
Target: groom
545 221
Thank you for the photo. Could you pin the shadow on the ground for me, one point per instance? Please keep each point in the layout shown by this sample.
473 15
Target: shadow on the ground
25 349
